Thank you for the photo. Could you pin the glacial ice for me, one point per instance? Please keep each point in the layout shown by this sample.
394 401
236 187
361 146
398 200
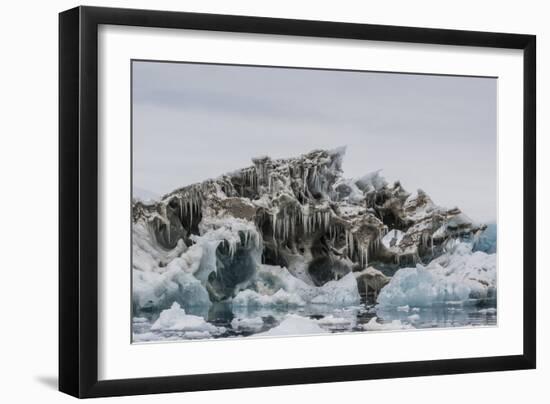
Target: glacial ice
453 277
276 286
487 240
147 255
342 292
293 235
153 290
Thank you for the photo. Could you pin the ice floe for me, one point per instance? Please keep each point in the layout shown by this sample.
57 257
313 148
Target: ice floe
294 325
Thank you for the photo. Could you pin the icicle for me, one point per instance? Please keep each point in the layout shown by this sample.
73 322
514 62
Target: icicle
190 213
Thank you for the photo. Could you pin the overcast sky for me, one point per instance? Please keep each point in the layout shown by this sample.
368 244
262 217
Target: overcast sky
438 133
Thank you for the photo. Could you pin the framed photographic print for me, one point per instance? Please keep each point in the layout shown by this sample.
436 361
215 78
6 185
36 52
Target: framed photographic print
250 201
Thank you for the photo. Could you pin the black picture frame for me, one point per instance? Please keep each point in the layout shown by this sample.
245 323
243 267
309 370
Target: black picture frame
78 200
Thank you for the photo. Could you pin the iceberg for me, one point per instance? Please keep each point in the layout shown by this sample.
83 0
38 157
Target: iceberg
292 235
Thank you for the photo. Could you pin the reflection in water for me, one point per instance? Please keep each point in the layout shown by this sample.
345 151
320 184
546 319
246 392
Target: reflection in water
245 322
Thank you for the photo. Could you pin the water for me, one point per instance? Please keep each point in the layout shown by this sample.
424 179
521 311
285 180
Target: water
331 319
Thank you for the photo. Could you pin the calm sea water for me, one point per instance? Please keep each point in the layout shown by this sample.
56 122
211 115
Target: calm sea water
334 320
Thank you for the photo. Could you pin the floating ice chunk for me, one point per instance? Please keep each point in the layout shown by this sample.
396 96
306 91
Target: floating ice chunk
420 287
197 335
247 324
175 319
374 325
145 337
294 325
405 308
451 278
331 322
413 318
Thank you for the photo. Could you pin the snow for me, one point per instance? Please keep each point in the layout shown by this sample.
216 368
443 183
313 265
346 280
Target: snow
294 325
453 277
175 319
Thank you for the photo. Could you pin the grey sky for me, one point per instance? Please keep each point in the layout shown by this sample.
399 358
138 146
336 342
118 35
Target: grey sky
194 121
